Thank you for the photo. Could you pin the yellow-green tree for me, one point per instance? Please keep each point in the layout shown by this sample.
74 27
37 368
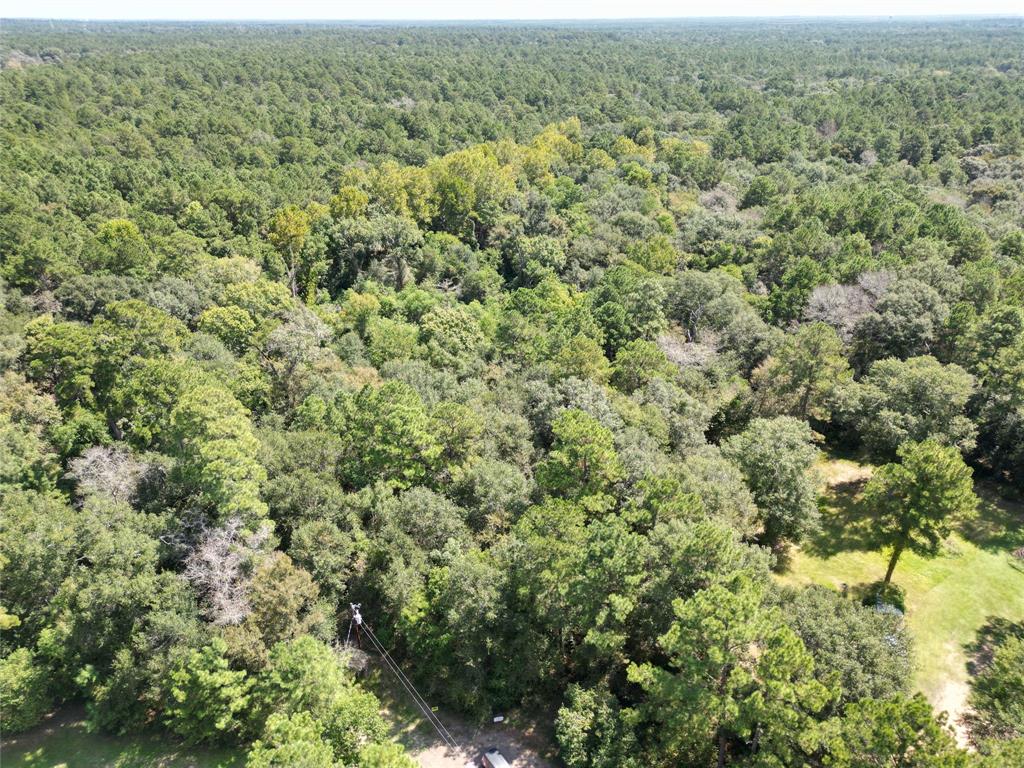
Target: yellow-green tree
918 500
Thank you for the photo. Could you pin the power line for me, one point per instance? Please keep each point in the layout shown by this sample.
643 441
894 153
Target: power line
424 707
406 683
434 719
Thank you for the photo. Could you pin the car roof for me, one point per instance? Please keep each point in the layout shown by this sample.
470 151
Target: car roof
500 761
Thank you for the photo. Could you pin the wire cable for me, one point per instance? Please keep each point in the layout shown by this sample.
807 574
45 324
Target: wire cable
411 688
420 702
396 670
423 706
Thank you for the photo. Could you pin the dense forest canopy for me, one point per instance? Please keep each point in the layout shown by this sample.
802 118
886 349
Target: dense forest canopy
529 336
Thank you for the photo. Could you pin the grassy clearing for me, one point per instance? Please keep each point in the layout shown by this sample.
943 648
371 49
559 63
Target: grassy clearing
63 742
951 598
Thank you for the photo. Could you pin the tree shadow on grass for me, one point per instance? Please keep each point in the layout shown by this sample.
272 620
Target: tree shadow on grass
891 598
62 739
987 640
999 524
846 523
993 633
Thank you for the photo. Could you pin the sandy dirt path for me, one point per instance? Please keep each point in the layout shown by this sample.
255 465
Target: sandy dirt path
522 750
952 700
520 740
526 742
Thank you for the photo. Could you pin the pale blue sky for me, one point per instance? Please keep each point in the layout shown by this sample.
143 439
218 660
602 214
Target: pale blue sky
498 9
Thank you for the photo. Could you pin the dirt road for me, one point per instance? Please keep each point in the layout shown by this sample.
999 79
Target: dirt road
522 750
519 740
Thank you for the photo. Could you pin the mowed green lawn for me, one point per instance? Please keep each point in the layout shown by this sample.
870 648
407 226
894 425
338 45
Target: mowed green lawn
949 598
63 742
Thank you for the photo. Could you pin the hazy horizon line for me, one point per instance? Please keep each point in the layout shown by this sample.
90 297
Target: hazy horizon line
525 19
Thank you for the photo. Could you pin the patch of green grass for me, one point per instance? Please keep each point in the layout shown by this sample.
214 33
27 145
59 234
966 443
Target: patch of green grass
63 742
949 598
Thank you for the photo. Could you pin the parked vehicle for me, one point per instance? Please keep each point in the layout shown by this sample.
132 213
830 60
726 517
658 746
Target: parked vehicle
494 759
